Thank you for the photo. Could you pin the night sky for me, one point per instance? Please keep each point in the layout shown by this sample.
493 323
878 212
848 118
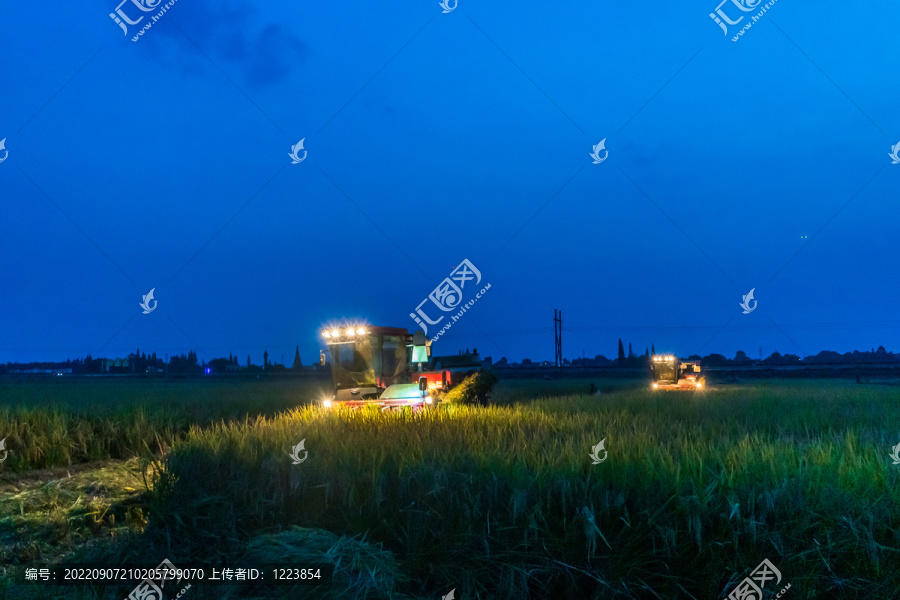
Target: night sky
434 138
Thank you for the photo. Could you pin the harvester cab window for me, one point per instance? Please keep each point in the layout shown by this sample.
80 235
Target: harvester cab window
664 371
393 359
352 364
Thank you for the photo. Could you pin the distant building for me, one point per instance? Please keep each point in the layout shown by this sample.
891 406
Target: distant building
66 371
469 360
115 365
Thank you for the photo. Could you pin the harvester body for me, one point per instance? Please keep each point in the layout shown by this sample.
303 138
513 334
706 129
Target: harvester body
367 360
672 373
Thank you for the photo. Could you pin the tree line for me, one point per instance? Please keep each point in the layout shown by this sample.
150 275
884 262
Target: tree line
141 362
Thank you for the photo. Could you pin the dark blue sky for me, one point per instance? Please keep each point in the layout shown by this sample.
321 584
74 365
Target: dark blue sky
433 138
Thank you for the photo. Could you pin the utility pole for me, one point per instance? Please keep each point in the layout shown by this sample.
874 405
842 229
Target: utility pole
557 333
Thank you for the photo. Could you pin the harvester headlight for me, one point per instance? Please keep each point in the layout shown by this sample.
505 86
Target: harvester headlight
335 333
655 386
428 400
360 331
326 403
351 331
699 384
326 335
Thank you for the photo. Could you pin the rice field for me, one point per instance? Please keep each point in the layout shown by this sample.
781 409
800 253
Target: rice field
503 502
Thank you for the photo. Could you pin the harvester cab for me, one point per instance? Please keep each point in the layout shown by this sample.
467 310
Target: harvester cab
671 373
367 360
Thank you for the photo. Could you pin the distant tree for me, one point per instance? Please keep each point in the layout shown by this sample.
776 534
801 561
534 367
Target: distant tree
248 361
621 359
219 365
741 358
825 357
773 359
265 359
92 365
526 361
694 357
184 363
714 359
630 351
652 349
297 363
646 352
502 362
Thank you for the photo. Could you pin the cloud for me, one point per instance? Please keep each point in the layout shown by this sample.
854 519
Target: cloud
233 34
272 55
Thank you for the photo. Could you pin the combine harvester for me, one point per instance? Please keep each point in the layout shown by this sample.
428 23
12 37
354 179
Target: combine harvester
671 373
382 366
